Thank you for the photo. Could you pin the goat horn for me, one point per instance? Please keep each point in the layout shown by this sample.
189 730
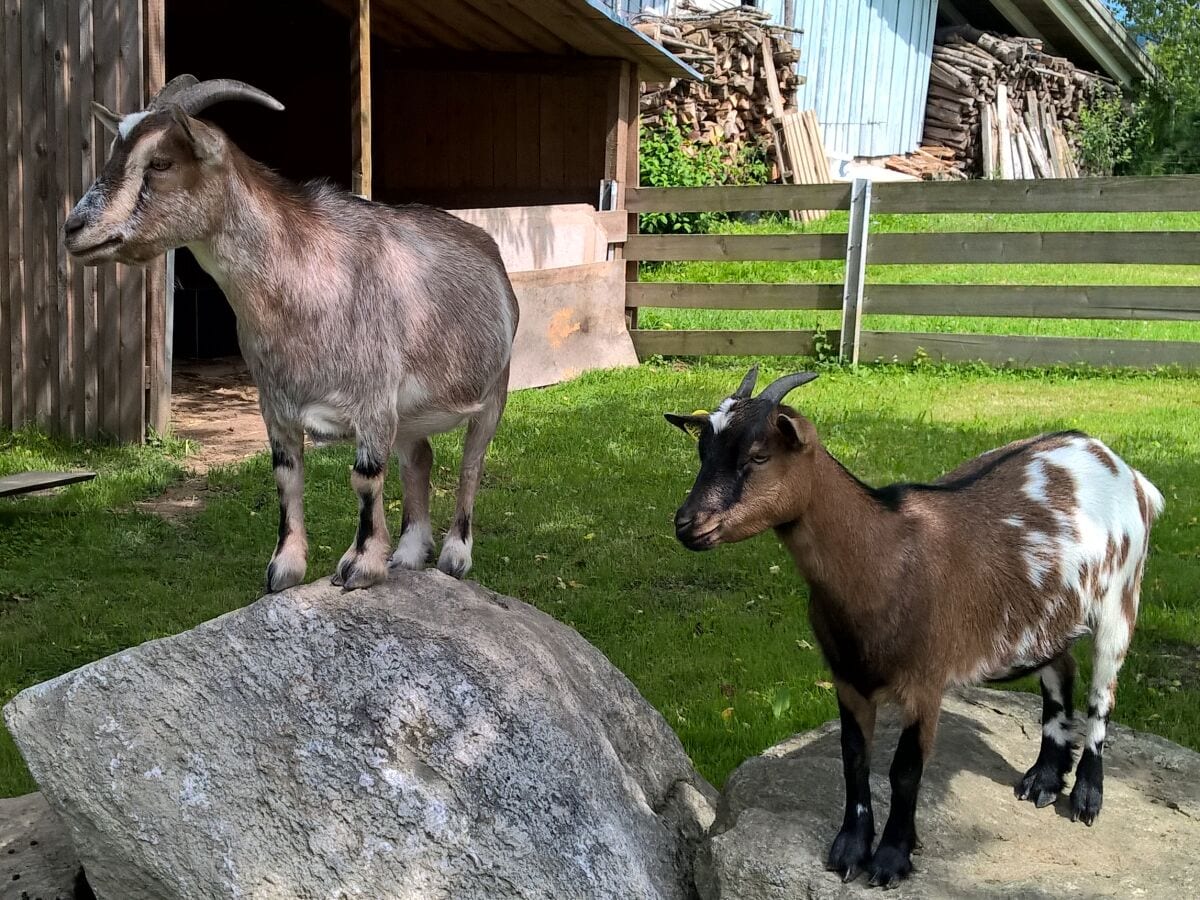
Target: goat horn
171 89
747 386
192 98
781 387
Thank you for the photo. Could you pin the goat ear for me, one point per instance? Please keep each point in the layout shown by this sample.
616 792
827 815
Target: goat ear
206 144
790 430
688 424
109 119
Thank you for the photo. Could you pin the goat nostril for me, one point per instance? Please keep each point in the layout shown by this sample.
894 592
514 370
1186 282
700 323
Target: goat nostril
73 225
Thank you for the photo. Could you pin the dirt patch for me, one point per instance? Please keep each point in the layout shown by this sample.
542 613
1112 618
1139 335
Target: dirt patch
178 502
214 403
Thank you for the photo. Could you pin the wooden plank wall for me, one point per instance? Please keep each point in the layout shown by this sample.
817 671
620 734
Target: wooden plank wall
491 130
73 356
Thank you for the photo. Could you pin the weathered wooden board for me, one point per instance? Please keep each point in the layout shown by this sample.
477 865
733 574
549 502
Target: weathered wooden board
25 482
1035 301
572 320
740 198
728 343
734 296
545 237
1020 350
1160 193
735 246
1125 247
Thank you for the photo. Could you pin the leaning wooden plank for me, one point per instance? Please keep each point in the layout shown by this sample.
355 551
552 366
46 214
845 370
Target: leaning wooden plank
772 78
132 402
37 220
10 99
1057 301
735 296
1161 193
742 199
1131 247
728 343
25 482
736 246
1003 138
107 323
1020 350
987 139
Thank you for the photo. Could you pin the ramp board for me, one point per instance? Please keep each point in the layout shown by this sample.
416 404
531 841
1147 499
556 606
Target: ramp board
26 482
572 320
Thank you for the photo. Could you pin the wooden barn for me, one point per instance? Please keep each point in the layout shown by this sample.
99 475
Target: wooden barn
519 114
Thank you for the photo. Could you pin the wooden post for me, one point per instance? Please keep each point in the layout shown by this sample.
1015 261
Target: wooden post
159 287
360 77
631 118
856 270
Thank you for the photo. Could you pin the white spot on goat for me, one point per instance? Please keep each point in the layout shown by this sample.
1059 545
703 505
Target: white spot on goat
130 122
721 417
1056 729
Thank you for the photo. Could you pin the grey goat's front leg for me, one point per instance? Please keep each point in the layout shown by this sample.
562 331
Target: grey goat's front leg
290 559
416 533
366 562
455 558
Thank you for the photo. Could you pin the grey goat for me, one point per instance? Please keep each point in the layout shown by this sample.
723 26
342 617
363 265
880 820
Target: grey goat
356 319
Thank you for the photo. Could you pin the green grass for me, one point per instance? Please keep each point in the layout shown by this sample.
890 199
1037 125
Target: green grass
575 517
831 271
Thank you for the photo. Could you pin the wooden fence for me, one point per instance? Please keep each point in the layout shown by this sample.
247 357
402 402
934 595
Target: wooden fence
855 296
72 339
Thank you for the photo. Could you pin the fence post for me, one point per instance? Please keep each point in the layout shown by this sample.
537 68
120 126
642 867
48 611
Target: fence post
856 270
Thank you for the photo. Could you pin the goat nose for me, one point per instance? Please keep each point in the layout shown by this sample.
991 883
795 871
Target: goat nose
74 224
683 520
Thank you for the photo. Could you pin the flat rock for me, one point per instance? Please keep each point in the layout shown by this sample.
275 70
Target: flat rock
780 812
424 738
37 861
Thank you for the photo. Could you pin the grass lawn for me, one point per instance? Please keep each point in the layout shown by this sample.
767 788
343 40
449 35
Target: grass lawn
831 271
575 517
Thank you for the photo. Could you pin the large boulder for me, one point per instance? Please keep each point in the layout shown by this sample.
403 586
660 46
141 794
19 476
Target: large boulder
425 738
780 811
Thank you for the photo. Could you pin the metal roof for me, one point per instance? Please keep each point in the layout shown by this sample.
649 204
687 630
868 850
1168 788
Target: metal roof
555 27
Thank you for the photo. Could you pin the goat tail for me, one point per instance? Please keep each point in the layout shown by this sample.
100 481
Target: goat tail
1153 495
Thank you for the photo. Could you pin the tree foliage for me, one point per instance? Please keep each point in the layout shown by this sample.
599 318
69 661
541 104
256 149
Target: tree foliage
1166 112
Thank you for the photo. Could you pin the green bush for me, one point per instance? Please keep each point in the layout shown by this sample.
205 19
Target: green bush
1104 136
669 159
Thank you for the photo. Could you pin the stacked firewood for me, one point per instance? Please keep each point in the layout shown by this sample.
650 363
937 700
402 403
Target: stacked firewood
1001 108
732 106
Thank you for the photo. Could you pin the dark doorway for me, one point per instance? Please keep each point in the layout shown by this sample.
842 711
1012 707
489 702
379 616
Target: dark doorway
299 52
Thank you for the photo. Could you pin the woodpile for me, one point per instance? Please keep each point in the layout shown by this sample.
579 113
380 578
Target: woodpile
732 106
999 107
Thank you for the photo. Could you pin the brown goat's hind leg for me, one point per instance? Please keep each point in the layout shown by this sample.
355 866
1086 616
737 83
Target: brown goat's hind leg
455 558
416 534
1043 783
851 850
1108 652
366 562
893 858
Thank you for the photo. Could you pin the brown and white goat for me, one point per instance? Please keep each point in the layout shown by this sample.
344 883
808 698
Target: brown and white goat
988 573
385 324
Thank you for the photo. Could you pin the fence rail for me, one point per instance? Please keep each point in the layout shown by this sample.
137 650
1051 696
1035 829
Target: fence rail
857 296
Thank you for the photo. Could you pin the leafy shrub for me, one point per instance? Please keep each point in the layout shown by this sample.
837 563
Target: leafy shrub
669 159
1105 135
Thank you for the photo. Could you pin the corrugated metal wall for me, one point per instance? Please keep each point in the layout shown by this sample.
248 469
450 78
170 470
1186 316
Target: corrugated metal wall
867 65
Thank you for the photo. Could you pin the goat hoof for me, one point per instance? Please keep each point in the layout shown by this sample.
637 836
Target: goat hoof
889 865
455 559
1041 785
283 573
412 552
850 853
1086 800
360 571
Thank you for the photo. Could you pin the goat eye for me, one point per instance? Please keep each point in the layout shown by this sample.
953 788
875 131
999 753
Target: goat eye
758 459
160 164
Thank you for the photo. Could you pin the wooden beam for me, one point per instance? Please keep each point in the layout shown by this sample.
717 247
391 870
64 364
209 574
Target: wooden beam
1127 247
1159 193
159 291
360 78
740 246
686 295
1020 350
1058 301
728 343
740 198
